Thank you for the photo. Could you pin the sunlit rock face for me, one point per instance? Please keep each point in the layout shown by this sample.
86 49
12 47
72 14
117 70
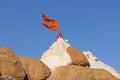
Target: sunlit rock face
10 66
60 62
34 68
74 72
77 57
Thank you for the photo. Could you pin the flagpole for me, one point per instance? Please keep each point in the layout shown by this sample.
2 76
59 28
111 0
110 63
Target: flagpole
59 31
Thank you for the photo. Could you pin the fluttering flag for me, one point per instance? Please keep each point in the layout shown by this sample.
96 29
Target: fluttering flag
49 23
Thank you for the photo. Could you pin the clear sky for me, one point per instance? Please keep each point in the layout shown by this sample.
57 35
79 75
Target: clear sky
92 25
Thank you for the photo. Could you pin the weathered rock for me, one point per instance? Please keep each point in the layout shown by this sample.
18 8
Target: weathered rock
7 77
74 72
78 58
10 66
35 69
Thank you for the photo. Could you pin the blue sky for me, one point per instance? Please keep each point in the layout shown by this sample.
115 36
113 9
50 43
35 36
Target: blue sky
92 25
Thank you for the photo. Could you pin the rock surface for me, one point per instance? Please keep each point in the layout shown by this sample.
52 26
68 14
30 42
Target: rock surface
10 66
60 62
77 57
74 72
34 68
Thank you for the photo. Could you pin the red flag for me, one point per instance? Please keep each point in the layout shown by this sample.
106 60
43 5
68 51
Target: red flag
49 23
